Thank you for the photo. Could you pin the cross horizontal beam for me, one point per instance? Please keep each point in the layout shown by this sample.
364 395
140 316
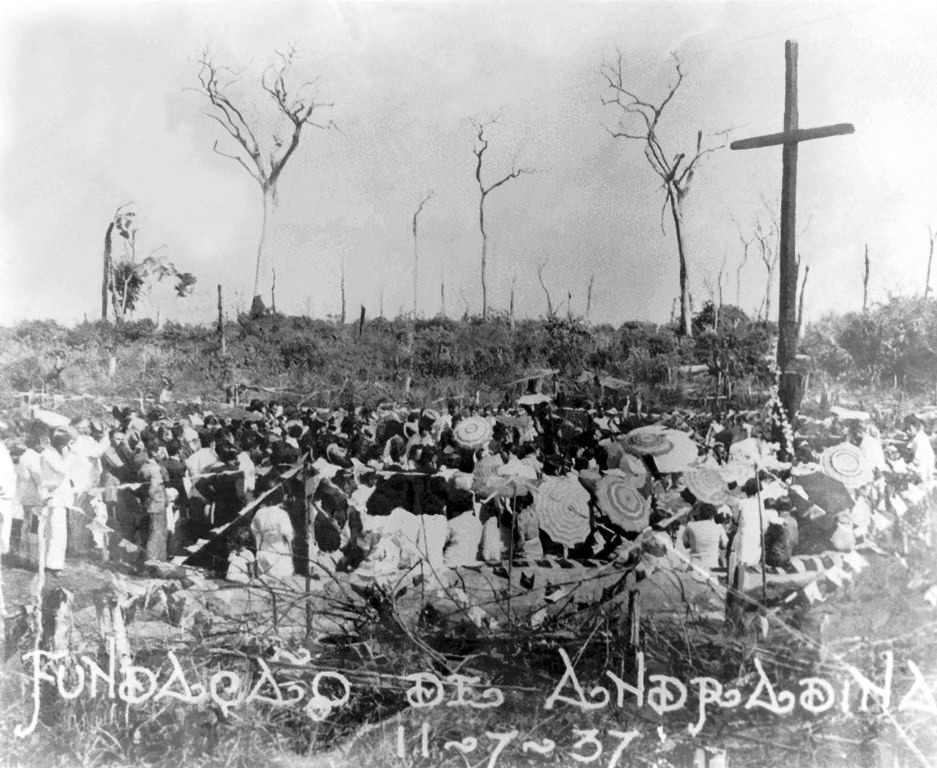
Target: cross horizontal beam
793 137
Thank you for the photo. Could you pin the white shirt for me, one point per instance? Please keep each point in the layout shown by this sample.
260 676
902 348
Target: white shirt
871 448
246 465
84 462
923 456
55 483
272 522
28 479
198 461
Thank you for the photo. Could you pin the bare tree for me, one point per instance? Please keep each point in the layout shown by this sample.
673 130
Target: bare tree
121 221
465 304
638 120
220 328
589 297
865 280
511 305
341 317
127 277
932 236
481 146
715 291
803 289
298 107
766 235
746 244
416 256
550 310
442 288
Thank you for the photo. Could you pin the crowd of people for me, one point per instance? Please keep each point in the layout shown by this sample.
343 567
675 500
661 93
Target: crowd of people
273 490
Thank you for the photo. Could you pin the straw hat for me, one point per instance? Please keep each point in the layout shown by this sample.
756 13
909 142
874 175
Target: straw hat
846 462
646 443
707 485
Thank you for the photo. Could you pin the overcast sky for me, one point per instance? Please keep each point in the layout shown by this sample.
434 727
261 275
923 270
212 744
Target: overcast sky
96 112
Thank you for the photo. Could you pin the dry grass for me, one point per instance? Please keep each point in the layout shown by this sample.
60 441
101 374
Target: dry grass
882 609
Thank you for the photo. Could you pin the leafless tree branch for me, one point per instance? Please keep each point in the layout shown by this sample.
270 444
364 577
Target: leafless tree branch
550 310
479 149
264 165
638 120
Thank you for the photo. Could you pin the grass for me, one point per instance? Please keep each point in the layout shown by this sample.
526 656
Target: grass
883 608
526 667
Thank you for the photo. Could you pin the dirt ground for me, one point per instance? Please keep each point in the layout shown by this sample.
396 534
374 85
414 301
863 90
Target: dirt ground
884 607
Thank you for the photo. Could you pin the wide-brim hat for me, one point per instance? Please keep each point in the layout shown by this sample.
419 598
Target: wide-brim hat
644 442
631 468
846 462
681 456
622 504
473 432
51 419
707 485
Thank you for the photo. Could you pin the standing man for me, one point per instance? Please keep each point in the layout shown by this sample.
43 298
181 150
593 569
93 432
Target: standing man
28 483
155 477
58 494
85 471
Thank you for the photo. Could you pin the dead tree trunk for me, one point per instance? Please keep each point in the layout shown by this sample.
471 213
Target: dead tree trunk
106 279
511 306
719 303
865 281
341 318
221 333
550 310
686 314
273 292
481 145
589 297
442 293
268 203
361 322
746 244
416 253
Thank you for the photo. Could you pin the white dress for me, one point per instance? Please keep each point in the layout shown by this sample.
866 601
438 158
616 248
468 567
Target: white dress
923 460
746 546
273 533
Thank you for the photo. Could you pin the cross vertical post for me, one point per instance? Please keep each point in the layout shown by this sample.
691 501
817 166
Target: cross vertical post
787 294
790 389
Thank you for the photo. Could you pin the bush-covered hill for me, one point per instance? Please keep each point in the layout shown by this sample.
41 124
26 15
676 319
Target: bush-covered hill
441 356
894 344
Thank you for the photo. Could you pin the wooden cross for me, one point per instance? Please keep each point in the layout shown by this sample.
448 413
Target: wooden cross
790 137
